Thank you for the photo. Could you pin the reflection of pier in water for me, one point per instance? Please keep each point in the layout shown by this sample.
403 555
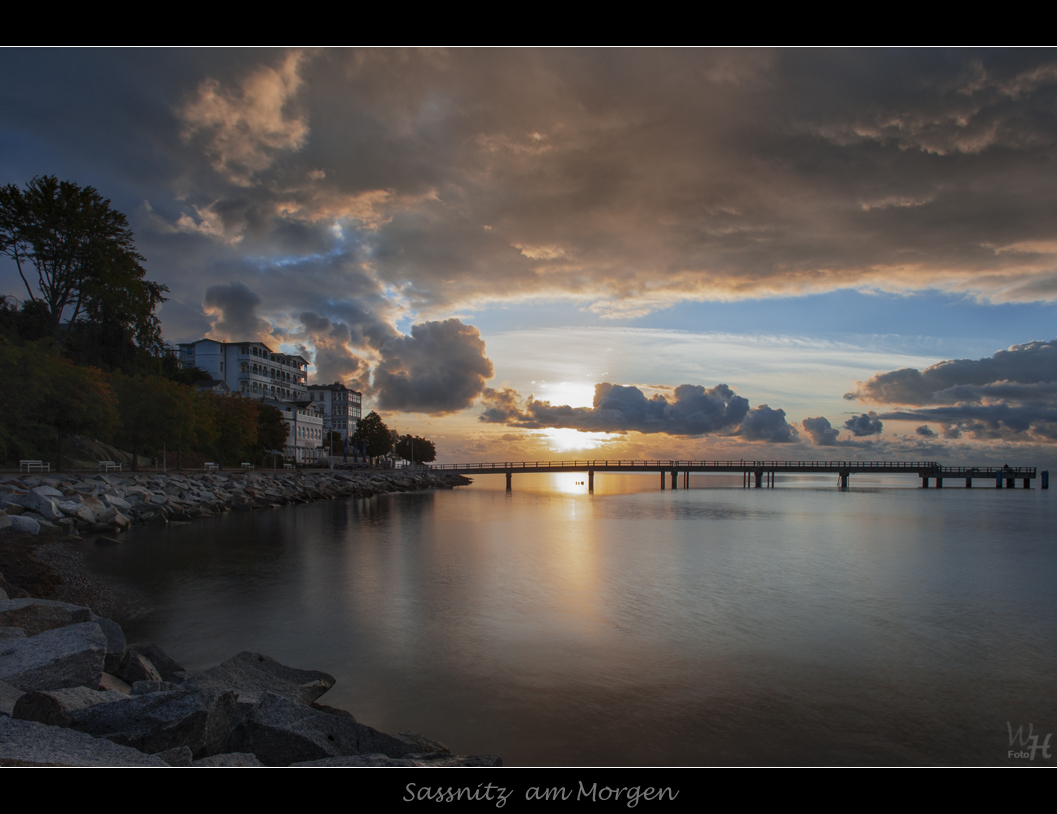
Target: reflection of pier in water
760 473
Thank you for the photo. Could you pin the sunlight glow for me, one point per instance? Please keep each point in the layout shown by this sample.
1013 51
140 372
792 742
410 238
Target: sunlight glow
567 440
573 394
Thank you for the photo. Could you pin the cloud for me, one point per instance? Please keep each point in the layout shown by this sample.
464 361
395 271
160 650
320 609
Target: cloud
821 431
926 431
440 368
331 354
1033 363
233 308
864 425
1009 396
689 410
246 128
764 424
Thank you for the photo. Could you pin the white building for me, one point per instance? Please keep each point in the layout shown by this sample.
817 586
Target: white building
304 431
341 406
250 368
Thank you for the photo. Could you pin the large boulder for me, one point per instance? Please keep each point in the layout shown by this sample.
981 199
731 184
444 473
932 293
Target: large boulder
71 656
27 743
159 721
53 707
252 674
37 615
280 732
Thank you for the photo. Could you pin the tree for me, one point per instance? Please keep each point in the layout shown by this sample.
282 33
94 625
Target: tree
84 257
415 449
272 428
236 418
155 413
372 435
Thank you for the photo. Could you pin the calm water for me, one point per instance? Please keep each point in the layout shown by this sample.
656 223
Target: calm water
715 625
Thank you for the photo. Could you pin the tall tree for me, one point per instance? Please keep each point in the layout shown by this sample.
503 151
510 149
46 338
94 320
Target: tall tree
373 436
83 257
415 449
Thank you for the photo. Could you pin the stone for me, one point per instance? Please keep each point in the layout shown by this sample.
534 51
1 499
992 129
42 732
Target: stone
26 524
145 687
115 643
69 656
53 707
163 720
166 666
252 674
177 756
112 682
229 760
419 761
137 667
281 732
27 743
37 615
9 696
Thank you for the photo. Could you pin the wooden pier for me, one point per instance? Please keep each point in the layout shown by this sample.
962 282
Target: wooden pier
762 473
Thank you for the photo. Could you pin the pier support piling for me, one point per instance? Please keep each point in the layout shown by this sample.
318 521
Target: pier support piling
759 478
590 480
939 483
1011 483
924 482
662 480
1045 478
968 483
509 479
675 478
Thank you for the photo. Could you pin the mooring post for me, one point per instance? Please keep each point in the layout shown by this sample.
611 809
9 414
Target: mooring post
509 478
590 480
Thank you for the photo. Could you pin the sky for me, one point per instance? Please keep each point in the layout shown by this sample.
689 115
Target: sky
530 254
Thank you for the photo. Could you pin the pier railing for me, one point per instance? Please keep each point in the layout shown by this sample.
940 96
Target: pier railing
934 468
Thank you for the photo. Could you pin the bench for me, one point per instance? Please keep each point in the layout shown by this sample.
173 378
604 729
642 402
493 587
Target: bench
109 466
212 467
34 466
246 465
288 466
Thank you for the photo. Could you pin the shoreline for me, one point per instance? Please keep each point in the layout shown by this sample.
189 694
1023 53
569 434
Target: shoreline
130 704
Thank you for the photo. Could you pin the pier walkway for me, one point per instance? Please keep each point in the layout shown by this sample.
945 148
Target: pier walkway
760 473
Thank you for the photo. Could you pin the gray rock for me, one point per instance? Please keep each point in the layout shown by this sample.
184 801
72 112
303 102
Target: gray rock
9 696
37 615
164 720
229 759
115 643
281 732
177 756
26 524
166 666
252 674
69 656
146 687
137 667
12 633
53 707
27 743
420 761
112 682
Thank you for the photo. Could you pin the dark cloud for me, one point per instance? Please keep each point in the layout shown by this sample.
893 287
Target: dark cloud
821 431
440 368
863 425
1011 395
1033 363
331 354
234 308
625 179
691 410
926 431
764 424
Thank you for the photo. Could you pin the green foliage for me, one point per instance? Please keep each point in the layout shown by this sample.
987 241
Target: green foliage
77 257
236 424
333 443
415 449
155 414
272 429
372 432
47 399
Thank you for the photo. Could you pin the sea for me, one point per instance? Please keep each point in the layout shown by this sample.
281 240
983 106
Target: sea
712 625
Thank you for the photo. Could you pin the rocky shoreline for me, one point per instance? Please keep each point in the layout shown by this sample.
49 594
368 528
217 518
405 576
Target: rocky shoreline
79 503
73 692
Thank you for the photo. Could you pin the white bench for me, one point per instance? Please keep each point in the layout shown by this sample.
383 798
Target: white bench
246 465
109 466
288 466
212 467
34 466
